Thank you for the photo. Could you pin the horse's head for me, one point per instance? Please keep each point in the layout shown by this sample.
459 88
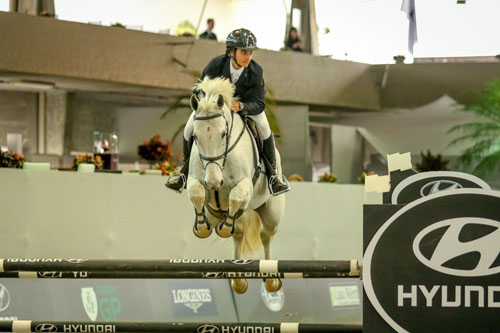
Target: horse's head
212 126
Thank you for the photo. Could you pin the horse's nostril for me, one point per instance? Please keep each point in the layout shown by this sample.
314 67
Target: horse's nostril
222 182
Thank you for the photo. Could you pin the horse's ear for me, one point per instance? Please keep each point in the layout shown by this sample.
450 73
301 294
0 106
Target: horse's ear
194 102
220 101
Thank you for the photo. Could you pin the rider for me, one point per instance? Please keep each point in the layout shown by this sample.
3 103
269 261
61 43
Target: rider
247 77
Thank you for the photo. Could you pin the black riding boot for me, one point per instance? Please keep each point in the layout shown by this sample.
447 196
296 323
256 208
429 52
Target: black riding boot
277 183
178 181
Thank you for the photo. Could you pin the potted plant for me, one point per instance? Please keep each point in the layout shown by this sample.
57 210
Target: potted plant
482 156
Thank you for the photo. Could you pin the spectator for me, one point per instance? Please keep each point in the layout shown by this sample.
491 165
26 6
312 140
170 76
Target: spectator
208 34
293 41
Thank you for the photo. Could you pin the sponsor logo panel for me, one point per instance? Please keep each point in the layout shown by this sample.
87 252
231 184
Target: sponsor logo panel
193 298
273 301
4 298
101 300
434 265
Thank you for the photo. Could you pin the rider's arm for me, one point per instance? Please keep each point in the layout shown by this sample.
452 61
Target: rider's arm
255 104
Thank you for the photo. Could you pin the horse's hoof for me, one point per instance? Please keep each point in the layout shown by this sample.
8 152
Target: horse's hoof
240 286
224 231
273 285
202 230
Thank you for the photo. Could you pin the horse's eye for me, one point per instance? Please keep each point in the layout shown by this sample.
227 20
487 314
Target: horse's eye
223 135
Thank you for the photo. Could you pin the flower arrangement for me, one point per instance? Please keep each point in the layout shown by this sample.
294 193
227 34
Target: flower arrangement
9 160
361 179
155 150
327 178
87 158
166 167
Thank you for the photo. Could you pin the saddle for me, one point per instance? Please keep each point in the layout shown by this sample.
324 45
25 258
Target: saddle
262 162
252 127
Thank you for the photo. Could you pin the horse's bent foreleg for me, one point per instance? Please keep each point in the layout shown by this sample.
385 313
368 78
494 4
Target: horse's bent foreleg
238 201
196 192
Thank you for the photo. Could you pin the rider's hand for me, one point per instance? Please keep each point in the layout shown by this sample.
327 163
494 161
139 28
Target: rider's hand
235 107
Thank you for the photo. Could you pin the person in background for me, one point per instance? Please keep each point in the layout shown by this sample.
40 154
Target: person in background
293 41
208 34
246 75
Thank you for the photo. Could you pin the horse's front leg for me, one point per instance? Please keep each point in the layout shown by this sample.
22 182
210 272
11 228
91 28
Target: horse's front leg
196 192
238 200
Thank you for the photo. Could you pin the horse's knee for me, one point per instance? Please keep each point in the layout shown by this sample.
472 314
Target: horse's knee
196 192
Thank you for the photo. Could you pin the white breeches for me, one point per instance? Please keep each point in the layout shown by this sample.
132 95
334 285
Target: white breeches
260 120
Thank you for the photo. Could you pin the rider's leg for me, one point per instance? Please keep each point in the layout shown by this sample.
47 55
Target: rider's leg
277 183
177 182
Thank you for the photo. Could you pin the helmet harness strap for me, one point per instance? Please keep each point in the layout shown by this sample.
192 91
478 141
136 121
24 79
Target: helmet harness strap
234 57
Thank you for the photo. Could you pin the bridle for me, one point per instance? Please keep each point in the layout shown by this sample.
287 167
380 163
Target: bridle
227 148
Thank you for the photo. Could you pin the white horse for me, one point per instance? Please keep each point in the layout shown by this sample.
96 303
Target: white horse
227 187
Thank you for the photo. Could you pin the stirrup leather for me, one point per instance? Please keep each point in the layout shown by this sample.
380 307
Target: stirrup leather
278 179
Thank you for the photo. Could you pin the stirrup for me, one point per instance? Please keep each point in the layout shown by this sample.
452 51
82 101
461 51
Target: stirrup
176 184
278 179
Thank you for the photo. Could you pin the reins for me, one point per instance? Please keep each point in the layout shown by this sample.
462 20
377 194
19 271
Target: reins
227 149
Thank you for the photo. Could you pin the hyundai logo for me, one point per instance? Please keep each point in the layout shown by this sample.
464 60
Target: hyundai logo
45 328
76 261
213 275
450 246
423 184
438 186
208 329
50 275
241 262
4 298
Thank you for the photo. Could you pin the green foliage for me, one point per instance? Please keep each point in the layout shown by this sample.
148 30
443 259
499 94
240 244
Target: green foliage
327 178
431 162
182 103
482 157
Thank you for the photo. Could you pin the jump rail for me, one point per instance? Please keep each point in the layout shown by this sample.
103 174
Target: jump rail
176 268
24 326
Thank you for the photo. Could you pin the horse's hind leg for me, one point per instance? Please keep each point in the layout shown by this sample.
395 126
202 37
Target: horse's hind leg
240 286
271 213
196 192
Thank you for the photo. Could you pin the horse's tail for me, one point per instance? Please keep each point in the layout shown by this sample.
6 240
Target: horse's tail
251 242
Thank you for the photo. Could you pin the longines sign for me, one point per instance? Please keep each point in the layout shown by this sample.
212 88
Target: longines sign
434 265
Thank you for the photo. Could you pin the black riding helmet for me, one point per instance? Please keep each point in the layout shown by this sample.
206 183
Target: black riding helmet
241 39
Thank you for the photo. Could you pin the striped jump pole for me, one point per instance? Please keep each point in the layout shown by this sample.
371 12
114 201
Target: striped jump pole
178 268
25 326
169 275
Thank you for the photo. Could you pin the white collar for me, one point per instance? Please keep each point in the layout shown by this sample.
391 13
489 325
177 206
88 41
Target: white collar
235 73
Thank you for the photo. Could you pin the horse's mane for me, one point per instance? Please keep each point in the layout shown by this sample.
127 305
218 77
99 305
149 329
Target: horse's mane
215 87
